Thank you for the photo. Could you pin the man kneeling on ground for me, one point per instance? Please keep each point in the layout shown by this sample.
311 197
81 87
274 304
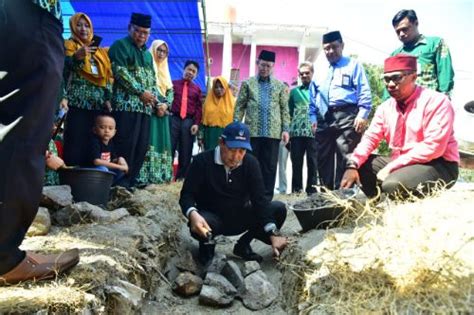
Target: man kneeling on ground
417 124
224 194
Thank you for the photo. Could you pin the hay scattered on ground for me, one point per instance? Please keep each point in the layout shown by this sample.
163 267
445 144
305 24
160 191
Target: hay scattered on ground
410 257
51 297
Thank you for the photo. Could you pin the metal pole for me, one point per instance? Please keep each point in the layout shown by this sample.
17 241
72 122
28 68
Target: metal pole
206 40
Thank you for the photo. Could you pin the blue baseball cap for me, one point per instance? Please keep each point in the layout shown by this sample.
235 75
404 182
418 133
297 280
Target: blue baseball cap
237 136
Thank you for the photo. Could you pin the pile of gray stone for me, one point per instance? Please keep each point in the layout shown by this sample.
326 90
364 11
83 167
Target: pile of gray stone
58 208
221 282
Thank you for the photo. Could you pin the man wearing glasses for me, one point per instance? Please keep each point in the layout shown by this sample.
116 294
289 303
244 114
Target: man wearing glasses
417 124
339 110
134 94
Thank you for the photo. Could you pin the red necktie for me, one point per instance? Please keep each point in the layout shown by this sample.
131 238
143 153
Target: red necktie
184 101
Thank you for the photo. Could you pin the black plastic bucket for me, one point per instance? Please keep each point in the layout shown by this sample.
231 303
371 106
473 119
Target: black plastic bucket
87 184
318 218
321 217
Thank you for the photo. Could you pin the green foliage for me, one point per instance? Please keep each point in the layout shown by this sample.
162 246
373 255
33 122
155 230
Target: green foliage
377 87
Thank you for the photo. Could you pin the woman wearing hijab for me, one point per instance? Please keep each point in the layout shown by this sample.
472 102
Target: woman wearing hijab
157 167
218 111
87 80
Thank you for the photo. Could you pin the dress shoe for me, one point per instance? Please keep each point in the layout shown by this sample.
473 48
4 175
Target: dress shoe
246 253
40 267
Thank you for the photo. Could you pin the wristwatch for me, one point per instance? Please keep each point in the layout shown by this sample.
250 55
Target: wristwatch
352 165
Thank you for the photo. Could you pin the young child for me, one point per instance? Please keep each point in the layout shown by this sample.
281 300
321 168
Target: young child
102 152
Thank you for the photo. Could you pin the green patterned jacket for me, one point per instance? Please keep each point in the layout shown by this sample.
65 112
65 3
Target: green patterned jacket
52 6
133 73
299 112
81 93
264 121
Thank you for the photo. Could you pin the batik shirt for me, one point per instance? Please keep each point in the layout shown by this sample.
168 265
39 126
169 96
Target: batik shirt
435 68
134 74
52 6
298 104
264 103
80 92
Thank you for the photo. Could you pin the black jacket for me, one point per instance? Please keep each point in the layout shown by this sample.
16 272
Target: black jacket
207 187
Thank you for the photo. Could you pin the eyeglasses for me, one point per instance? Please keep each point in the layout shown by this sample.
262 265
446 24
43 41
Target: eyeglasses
395 78
161 51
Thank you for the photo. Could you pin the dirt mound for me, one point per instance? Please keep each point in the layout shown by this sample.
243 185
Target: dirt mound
117 260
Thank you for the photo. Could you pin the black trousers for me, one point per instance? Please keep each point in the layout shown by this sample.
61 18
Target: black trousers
299 147
182 140
131 142
32 54
243 220
335 138
77 135
266 152
406 179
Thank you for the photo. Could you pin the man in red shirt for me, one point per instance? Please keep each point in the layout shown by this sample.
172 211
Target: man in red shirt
417 124
186 113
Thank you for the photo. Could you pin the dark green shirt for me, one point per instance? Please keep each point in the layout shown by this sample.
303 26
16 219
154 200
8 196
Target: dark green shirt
298 104
52 6
133 72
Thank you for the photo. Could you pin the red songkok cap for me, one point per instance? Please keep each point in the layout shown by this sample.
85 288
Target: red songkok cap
400 62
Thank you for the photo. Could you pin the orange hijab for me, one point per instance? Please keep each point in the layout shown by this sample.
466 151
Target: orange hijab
218 112
100 57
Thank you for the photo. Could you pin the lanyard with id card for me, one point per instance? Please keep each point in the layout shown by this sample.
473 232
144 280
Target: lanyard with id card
94 69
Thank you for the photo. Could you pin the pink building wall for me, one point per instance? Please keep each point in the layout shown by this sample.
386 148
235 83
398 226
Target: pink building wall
286 62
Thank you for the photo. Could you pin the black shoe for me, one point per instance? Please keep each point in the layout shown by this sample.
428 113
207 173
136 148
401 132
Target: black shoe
206 253
246 253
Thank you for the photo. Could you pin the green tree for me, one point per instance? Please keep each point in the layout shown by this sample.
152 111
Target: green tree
377 87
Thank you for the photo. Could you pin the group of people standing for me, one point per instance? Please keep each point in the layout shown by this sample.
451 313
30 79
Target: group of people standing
328 121
131 83
154 115
226 191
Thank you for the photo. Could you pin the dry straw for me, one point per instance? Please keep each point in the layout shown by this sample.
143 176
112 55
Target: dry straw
401 258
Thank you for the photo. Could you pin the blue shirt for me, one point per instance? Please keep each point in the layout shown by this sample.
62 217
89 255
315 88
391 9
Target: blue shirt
349 85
